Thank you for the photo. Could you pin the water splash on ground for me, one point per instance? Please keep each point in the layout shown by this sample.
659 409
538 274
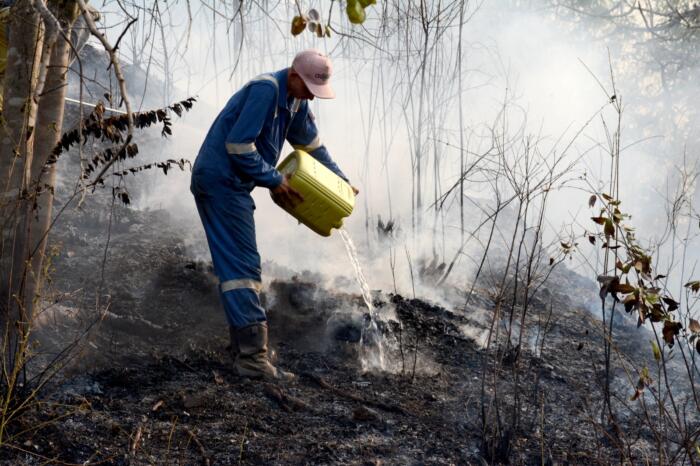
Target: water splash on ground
372 348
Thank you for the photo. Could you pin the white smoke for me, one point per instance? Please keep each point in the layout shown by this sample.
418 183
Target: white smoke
549 74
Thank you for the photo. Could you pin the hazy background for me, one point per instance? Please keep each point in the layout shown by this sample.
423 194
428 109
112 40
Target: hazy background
547 65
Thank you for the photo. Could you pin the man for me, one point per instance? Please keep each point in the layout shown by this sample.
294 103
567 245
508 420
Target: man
239 153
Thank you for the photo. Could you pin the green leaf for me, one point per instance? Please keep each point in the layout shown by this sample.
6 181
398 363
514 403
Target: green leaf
356 14
656 350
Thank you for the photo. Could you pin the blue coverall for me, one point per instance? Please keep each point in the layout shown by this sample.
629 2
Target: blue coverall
240 152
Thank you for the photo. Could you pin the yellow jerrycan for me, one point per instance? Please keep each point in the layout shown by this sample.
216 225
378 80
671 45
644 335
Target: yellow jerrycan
327 197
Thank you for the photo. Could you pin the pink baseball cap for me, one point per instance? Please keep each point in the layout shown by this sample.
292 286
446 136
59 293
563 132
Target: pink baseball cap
315 70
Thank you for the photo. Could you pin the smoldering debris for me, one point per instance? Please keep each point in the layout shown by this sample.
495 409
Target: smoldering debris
408 415
173 379
162 343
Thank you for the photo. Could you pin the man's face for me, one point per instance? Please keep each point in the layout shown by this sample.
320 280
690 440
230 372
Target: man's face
296 87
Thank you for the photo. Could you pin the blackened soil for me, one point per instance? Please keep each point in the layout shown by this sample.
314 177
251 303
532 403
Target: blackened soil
194 410
154 383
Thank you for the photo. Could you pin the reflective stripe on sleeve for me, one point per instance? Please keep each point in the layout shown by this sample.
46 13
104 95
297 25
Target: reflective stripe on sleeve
266 77
241 283
313 145
273 80
245 148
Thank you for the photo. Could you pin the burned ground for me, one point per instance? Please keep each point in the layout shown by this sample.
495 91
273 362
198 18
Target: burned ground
153 383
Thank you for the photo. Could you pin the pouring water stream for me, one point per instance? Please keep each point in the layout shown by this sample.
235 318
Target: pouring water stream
372 351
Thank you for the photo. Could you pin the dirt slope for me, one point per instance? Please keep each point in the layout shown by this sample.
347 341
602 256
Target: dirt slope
154 384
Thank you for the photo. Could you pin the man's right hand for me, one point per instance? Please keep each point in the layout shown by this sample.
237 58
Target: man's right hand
286 196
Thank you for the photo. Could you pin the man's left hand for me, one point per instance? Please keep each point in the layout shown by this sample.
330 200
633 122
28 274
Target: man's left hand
285 196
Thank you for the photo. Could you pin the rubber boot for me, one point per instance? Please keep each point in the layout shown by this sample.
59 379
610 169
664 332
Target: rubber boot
253 360
233 346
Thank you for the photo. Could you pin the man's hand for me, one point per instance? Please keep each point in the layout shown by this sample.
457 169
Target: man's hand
285 196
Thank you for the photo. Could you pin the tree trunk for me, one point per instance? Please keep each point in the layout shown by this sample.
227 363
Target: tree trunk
16 139
49 126
461 126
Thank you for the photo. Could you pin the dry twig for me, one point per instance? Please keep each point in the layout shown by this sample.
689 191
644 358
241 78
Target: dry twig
205 458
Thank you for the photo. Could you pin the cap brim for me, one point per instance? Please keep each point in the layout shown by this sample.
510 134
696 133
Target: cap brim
323 91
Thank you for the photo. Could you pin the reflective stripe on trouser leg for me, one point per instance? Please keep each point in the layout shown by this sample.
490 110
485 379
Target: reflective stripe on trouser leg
237 283
241 301
227 217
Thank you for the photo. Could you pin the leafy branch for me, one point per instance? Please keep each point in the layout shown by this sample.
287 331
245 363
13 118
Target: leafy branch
311 21
113 130
635 284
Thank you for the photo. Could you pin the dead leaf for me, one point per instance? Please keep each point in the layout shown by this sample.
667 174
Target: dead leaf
624 288
609 228
364 414
607 284
314 15
157 405
670 330
694 326
694 286
298 25
285 401
644 380
591 200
